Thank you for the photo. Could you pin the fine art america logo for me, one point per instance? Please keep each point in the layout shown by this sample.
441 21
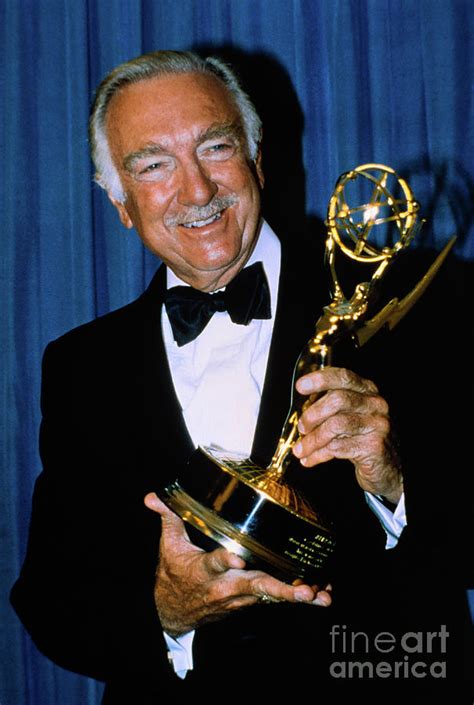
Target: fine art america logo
384 655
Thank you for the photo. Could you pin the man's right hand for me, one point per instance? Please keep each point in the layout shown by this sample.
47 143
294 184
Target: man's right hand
194 587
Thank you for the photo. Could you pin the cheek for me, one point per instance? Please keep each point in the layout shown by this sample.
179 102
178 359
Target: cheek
249 206
149 204
146 213
236 176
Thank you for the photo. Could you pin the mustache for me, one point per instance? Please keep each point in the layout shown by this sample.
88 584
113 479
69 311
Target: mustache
216 205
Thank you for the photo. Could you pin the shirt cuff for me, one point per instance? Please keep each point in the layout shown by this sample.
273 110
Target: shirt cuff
393 522
180 652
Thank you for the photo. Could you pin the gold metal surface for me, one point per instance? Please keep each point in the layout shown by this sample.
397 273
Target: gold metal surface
349 230
237 540
261 480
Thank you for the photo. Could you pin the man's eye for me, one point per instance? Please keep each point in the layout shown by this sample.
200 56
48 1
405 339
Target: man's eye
151 167
152 171
219 150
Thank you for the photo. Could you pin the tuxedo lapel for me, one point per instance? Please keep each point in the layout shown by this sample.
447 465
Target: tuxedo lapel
301 295
168 442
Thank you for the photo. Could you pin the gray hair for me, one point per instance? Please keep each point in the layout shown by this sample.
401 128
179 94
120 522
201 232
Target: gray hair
148 66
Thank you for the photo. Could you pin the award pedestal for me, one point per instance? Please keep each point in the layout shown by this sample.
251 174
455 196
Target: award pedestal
265 521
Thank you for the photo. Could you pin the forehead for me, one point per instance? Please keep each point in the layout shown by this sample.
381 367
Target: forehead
167 109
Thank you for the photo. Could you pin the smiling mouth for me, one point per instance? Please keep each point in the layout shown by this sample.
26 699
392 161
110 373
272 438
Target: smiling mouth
203 223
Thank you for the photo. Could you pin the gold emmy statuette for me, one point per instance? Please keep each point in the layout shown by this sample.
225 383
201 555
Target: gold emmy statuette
251 510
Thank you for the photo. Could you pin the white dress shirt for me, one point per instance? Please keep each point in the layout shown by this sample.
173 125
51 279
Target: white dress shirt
218 378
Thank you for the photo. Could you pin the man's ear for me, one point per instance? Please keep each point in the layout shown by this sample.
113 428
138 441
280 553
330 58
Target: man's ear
122 211
258 167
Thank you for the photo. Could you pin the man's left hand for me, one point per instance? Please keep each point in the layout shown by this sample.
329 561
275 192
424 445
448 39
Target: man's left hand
347 418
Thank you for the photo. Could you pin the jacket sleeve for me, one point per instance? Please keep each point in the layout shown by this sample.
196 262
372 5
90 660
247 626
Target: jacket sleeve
85 593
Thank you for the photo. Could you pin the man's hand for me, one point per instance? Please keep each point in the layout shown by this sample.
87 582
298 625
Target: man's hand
194 587
347 418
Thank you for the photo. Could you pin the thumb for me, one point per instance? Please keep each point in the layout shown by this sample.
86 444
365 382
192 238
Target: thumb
221 560
171 524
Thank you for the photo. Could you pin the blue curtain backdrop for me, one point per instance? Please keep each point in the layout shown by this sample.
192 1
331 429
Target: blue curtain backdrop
346 82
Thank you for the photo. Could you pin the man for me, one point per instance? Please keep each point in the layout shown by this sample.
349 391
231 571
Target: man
112 585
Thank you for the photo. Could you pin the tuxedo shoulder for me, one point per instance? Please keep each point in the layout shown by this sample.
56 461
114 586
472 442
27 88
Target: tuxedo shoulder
118 328
124 316
104 325
105 331
99 360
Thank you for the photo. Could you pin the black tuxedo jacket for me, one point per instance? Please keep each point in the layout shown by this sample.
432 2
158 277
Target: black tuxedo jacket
112 431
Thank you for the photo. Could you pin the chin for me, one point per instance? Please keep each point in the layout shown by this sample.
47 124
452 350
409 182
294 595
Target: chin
215 261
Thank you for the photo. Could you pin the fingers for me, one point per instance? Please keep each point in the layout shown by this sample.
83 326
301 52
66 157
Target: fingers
254 587
260 584
343 392
334 378
323 599
350 420
346 436
273 590
340 401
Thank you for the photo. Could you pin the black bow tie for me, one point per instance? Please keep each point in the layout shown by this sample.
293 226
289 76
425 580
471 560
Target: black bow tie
246 297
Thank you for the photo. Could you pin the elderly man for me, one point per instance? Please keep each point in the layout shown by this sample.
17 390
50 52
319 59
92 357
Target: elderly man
112 585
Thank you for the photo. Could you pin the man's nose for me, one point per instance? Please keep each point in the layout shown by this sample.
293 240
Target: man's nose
196 186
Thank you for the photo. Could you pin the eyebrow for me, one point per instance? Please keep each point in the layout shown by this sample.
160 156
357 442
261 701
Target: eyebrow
230 129
149 150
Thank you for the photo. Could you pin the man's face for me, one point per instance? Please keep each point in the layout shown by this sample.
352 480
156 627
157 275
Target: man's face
191 192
